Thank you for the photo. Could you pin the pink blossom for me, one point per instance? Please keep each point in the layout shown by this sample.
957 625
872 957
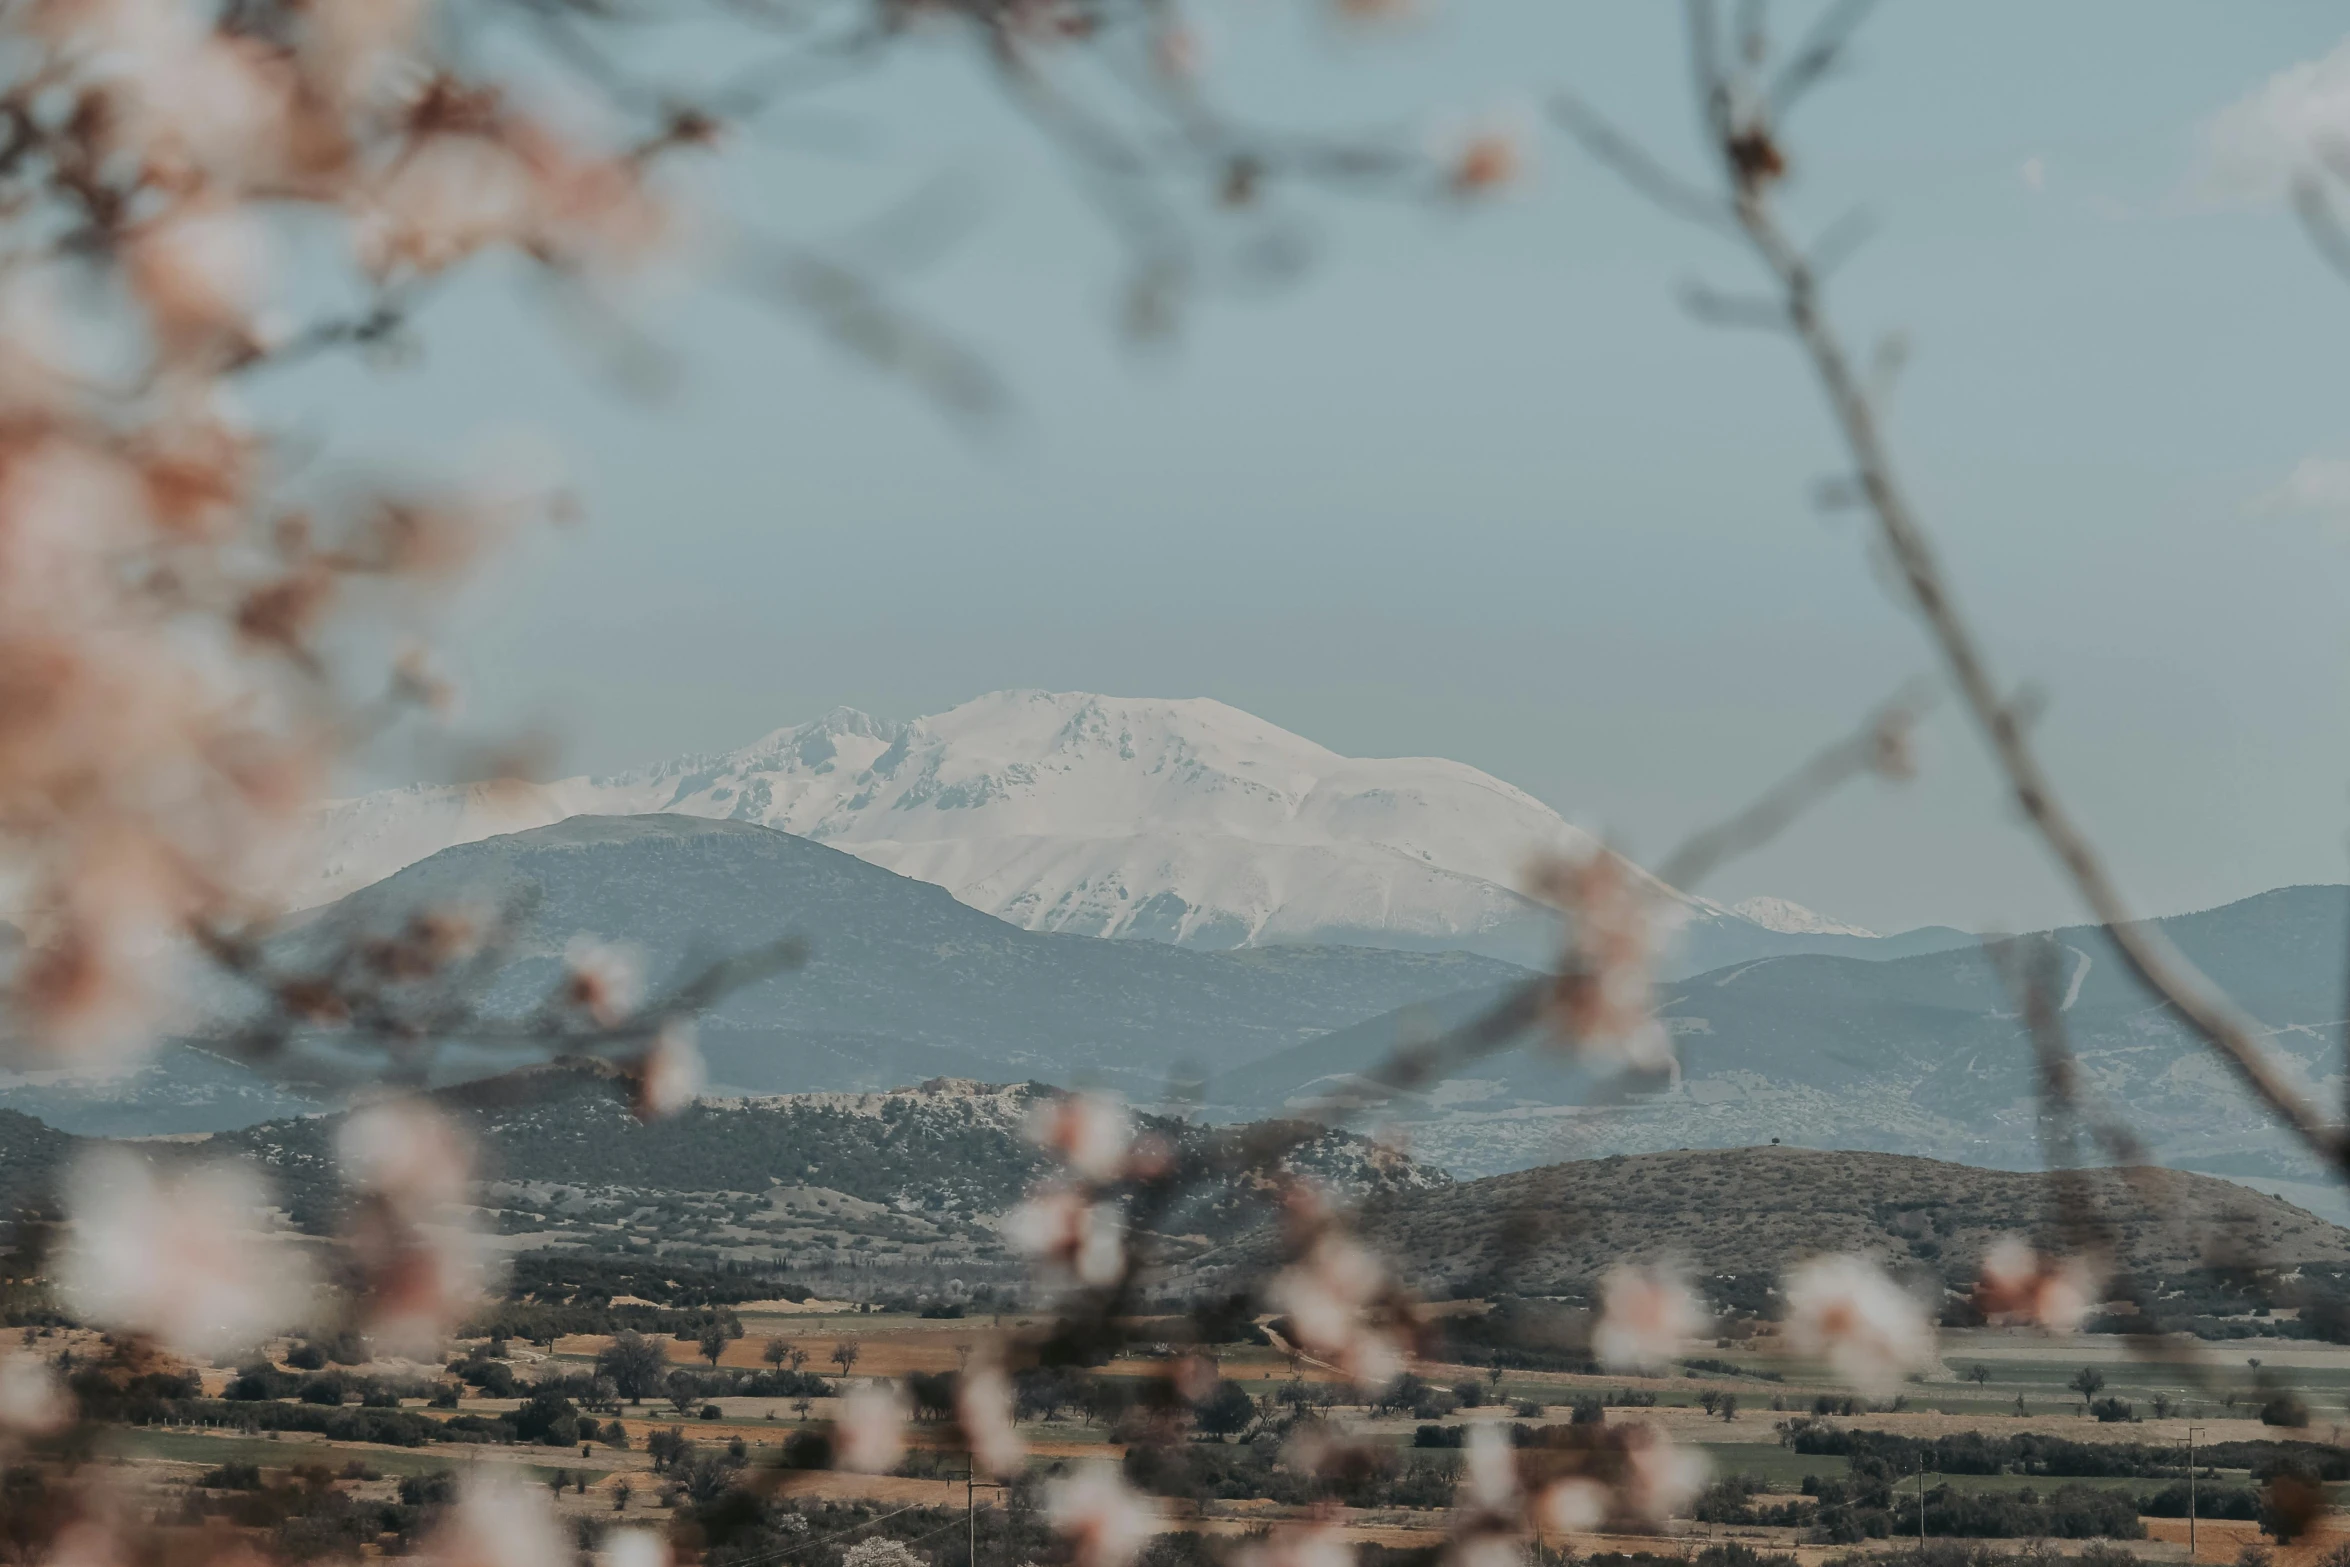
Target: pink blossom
86 1543
1489 1470
1326 1296
360 48
633 1548
1104 1521
1089 1132
1485 1549
601 980
407 1152
499 1523
1647 1316
1870 1332
419 1279
2020 1284
450 195
201 271
983 1405
670 1073
869 1433
1660 1478
181 1258
1574 1505
1598 1001
1298 1545
422 1267
1491 157
32 1401
206 108
1084 1239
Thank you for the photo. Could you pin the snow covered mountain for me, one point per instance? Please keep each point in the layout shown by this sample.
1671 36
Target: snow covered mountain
1180 821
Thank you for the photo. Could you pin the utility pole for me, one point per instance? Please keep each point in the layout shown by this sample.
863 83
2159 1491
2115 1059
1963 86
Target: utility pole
1921 1504
971 1505
2190 1493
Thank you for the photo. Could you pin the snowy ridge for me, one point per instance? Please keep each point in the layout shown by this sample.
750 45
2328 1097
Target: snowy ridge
1793 919
1181 821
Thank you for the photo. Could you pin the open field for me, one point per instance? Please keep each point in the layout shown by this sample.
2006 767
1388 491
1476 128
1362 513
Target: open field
2016 1366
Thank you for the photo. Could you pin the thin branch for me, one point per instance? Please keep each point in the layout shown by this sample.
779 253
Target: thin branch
1820 51
2148 952
1875 747
1633 164
1712 307
2324 227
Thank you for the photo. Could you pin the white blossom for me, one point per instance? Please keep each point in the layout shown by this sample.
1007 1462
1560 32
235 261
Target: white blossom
1104 1520
182 1258
1870 1332
1647 1316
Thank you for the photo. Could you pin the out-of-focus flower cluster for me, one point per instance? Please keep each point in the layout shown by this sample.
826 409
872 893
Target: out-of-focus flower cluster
1597 1002
1647 1316
421 1264
1340 1302
1871 1332
169 707
1071 1224
1573 1480
2020 1284
186 1258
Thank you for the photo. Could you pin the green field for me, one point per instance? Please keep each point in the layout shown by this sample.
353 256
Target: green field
194 1447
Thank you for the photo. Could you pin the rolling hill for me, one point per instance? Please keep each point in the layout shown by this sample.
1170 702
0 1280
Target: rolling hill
1751 1211
1921 1054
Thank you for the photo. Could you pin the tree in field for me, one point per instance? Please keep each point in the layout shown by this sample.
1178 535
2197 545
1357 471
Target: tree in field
1227 1411
636 1366
844 1355
713 1342
774 1351
2088 1382
1978 1373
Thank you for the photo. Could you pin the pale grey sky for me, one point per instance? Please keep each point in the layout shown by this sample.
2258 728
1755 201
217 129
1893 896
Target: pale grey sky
1474 487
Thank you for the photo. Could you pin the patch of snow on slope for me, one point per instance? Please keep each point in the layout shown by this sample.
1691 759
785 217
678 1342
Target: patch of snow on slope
1793 919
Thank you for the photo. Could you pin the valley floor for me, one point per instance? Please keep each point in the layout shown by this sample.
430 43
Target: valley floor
2022 1389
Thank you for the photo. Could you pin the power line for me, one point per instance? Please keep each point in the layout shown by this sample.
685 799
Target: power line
801 1545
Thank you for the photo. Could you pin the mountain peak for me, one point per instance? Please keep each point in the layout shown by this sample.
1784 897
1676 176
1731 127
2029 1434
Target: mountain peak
1179 819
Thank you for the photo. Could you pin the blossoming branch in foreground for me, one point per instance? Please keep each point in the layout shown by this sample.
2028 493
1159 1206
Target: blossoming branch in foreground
1090 1133
1598 1000
1085 1241
1334 1297
422 1265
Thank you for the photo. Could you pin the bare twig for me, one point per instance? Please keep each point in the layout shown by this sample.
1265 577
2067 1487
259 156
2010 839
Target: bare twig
1633 164
1750 163
1879 745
